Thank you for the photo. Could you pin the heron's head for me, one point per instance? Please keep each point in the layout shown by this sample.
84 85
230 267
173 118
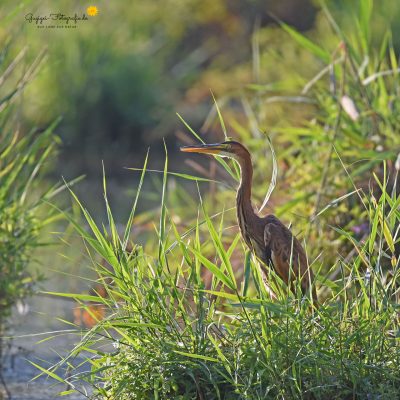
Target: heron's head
229 149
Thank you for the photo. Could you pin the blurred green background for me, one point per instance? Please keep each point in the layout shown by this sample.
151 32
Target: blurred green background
118 79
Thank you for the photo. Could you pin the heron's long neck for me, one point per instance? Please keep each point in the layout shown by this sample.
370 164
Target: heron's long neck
243 198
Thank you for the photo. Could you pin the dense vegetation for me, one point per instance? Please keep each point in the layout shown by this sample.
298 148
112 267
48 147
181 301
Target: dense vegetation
23 214
173 338
179 304
171 333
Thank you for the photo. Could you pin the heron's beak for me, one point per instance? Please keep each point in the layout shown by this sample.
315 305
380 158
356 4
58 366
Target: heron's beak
205 148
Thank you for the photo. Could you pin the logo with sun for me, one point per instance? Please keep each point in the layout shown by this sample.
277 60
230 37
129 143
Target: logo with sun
92 11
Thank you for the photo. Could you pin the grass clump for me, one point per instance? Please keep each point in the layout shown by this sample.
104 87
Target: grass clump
167 336
170 333
22 160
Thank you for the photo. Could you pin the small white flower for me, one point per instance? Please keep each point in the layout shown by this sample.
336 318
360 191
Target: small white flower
22 307
367 276
349 107
397 163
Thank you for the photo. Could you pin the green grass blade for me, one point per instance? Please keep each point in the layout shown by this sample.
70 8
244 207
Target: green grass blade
307 43
133 209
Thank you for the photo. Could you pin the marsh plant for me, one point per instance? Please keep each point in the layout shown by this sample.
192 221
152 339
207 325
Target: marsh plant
23 193
167 336
169 333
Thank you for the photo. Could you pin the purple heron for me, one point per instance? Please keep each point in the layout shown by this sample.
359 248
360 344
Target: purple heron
267 237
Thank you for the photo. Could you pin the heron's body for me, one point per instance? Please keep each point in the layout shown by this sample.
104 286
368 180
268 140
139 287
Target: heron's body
267 237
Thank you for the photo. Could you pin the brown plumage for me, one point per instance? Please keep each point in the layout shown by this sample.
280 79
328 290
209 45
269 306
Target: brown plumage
267 237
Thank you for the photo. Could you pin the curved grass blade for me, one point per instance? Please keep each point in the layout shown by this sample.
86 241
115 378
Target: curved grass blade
272 183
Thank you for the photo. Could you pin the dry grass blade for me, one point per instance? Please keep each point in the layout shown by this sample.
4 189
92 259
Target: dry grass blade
272 183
